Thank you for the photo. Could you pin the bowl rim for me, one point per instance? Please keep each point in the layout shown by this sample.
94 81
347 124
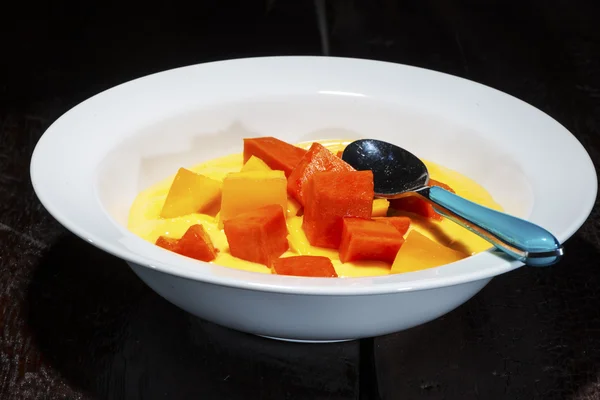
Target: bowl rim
125 245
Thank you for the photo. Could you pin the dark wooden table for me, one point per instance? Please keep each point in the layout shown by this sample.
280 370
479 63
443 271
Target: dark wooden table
76 323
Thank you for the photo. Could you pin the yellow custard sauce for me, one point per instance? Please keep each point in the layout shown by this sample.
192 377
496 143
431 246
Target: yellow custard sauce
145 220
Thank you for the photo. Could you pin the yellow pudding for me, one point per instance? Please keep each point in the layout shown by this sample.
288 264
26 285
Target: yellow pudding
146 222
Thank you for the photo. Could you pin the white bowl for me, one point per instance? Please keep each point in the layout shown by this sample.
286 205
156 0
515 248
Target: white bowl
90 164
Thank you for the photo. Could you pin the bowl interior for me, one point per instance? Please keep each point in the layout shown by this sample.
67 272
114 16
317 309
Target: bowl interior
90 164
157 151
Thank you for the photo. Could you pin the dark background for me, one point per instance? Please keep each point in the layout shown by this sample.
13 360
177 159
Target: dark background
76 323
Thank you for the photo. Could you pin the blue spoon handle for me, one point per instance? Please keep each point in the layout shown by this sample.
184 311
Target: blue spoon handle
520 239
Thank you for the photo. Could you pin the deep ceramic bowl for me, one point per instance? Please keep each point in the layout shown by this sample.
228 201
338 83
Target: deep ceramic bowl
89 165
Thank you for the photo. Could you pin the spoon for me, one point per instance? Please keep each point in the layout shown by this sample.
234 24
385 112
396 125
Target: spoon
397 173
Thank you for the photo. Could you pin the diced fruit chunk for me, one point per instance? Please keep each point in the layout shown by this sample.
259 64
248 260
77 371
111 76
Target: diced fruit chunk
167 243
259 235
191 193
365 239
318 158
195 243
313 266
400 223
331 196
255 164
380 207
418 205
420 252
277 154
247 191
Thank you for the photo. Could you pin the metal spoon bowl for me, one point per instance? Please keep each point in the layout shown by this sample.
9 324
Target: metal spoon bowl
397 173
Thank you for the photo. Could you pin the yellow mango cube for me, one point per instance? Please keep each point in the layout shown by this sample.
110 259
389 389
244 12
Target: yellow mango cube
191 193
255 164
247 191
419 252
380 207
292 207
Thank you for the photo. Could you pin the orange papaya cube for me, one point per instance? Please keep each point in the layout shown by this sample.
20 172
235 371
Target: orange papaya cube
277 154
259 235
167 243
190 193
312 266
247 191
196 243
368 240
417 205
400 223
380 207
318 158
419 252
331 196
255 164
